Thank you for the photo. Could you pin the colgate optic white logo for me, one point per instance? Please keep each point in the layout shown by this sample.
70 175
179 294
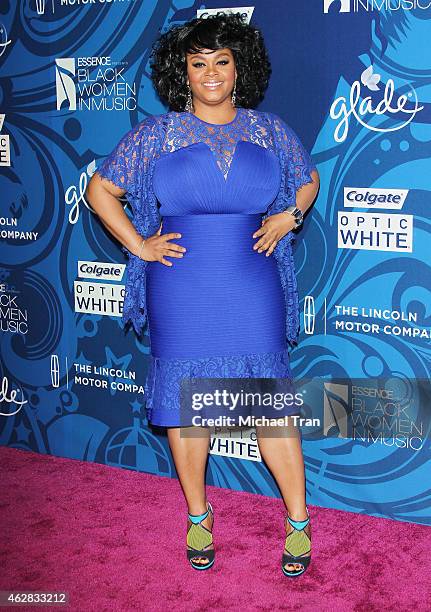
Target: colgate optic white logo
342 108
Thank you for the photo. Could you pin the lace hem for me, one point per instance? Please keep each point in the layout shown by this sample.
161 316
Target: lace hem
162 385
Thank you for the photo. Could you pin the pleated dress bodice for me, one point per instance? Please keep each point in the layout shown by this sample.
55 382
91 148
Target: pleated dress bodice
191 180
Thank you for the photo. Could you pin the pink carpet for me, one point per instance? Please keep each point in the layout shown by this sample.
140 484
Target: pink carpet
115 540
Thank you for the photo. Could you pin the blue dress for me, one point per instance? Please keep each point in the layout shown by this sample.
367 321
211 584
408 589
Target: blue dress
218 311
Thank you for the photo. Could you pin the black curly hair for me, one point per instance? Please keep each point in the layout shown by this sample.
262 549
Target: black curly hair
168 60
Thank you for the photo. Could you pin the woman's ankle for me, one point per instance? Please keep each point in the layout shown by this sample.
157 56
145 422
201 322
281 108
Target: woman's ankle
196 509
299 513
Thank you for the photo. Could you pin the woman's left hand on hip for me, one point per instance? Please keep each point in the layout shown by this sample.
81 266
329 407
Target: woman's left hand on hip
273 229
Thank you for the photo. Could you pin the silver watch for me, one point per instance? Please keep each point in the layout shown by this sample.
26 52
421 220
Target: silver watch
297 213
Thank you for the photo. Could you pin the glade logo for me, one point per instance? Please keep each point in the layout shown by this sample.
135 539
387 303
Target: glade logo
11 398
75 194
246 12
343 109
4 42
354 6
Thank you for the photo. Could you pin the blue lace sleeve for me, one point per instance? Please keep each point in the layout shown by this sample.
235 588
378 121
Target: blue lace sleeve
121 166
130 166
298 162
296 165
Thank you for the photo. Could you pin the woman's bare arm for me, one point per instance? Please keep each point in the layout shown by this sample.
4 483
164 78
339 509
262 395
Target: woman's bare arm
103 197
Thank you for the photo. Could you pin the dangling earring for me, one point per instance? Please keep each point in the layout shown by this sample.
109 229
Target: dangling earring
189 103
234 94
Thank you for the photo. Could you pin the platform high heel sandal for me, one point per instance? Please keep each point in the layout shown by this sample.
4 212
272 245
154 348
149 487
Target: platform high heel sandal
198 540
297 547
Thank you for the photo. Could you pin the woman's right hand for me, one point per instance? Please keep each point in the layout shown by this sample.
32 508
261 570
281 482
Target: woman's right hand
158 246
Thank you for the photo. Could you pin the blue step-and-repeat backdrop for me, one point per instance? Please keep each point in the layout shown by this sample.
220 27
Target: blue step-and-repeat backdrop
353 78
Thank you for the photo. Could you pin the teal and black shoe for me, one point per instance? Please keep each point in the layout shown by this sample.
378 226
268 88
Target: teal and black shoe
199 538
297 548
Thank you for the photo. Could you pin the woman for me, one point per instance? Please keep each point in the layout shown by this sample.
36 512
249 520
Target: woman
222 180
